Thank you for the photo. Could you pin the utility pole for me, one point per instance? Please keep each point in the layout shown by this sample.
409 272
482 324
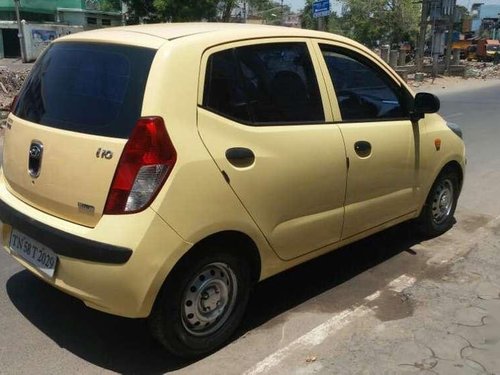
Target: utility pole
449 42
321 23
123 10
437 38
421 36
281 10
20 32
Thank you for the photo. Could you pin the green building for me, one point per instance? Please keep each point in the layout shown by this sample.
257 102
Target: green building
49 19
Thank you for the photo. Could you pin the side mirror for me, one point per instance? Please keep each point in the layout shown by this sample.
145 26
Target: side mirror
425 103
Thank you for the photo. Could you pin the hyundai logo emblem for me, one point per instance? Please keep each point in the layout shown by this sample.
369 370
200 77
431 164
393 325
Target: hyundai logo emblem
35 158
35 151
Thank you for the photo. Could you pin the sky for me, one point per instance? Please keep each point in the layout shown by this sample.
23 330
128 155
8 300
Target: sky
335 4
295 4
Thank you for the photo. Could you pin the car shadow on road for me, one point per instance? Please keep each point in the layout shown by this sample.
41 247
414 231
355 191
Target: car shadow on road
124 345
292 288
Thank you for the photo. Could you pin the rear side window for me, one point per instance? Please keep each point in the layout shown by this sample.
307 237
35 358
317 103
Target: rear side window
264 84
88 88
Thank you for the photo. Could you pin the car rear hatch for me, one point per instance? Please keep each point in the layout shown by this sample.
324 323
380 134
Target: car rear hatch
70 124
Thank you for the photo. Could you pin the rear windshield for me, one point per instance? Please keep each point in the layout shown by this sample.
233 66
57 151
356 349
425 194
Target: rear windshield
88 88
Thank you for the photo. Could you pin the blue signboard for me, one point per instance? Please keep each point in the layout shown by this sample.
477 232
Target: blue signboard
321 8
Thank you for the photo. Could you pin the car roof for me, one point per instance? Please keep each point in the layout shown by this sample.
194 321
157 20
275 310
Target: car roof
171 31
153 35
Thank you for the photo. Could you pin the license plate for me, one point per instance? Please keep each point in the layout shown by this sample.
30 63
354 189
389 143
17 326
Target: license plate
34 252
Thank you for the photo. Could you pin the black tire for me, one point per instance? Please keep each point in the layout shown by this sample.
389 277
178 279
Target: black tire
210 279
437 214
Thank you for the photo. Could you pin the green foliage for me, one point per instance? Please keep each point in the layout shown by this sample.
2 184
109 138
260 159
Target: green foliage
308 22
462 11
271 11
371 22
381 21
190 10
462 18
111 5
186 10
333 23
138 9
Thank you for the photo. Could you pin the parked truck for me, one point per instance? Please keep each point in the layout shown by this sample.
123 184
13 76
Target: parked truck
483 50
462 45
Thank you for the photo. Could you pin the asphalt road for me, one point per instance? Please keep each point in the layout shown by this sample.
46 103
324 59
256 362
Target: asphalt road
347 312
477 112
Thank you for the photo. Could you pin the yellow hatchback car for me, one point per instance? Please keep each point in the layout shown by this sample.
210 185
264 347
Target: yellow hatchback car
163 170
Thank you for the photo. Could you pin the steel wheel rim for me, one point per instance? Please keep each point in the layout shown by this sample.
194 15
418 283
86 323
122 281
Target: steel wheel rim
442 201
209 299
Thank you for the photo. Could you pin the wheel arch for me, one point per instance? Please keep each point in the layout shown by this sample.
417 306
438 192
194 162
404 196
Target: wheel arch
235 242
451 165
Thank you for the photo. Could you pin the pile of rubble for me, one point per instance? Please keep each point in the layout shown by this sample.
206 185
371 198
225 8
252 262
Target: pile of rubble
484 70
10 84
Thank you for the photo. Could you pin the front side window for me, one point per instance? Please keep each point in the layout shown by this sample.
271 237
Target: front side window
264 84
364 92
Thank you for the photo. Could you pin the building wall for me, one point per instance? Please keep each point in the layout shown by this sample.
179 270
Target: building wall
37 36
45 20
89 19
35 6
50 6
72 18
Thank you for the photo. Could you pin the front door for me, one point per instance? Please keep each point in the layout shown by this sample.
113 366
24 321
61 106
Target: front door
381 142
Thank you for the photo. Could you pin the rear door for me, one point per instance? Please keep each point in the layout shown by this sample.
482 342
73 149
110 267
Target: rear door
264 120
70 124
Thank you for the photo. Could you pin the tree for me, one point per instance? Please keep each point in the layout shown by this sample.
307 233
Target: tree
186 10
308 22
464 19
371 22
271 11
191 10
110 5
227 9
141 10
333 23
381 21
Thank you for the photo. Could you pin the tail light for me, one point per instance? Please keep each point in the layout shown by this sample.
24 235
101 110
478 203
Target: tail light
146 162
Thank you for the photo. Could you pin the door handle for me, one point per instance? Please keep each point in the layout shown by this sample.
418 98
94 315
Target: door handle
240 157
363 148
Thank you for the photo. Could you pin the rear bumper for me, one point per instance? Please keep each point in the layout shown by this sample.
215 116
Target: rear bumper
63 243
117 267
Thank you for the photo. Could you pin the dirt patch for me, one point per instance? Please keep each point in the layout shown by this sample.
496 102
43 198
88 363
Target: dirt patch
392 306
10 84
471 223
476 75
484 70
